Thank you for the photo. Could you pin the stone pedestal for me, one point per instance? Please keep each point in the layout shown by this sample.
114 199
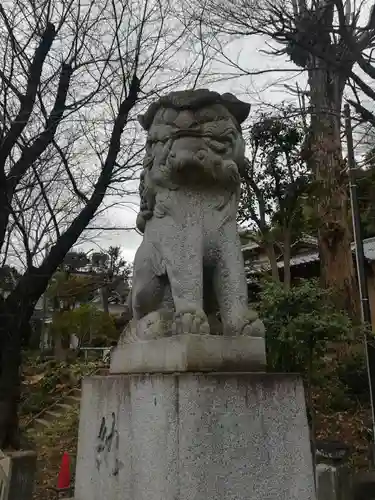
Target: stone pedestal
194 436
17 473
333 482
191 353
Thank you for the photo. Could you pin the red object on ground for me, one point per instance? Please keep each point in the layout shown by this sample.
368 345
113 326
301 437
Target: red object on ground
63 480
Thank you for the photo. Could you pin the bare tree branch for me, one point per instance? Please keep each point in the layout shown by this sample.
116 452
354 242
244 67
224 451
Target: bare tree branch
28 99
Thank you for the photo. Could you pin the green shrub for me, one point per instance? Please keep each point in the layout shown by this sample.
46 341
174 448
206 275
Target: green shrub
85 321
352 372
36 402
299 322
100 341
338 398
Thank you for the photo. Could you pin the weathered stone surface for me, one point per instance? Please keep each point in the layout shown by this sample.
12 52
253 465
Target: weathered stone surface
5 467
191 353
326 482
333 482
194 436
17 473
190 263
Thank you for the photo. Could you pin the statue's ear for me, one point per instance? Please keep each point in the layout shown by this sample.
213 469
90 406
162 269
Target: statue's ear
147 118
239 109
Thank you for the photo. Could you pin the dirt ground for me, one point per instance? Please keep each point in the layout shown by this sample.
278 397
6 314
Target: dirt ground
50 446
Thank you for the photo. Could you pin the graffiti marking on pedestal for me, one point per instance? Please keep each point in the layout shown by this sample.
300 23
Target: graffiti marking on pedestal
107 446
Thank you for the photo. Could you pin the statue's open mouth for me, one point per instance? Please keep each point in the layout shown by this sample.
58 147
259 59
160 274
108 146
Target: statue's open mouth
219 145
178 134
188 160
196 133
202 167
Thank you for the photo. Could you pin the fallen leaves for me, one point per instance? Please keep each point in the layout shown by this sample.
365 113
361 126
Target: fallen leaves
50 446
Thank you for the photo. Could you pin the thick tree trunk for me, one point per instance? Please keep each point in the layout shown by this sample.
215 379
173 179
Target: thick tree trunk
10 378
15 315
336 263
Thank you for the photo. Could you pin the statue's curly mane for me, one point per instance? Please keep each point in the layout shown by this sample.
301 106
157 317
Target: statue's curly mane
196 99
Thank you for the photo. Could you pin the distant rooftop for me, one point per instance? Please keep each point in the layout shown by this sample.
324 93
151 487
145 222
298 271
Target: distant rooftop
303 258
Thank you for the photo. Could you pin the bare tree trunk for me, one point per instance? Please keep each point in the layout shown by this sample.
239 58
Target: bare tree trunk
271 254
10 377
58 348
9 394
310 402
337 270
60 352
105 297
15 314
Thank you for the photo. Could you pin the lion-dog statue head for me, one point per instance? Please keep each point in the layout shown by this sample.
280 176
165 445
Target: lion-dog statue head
194 139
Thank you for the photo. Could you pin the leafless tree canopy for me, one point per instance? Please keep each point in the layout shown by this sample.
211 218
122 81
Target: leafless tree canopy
73 76
332 42
339 32
66 67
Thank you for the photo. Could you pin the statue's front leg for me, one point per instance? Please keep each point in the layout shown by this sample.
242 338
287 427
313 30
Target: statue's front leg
150 320
184 263
186 286
231 290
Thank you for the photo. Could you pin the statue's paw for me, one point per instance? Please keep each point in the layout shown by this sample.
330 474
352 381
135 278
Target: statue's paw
150 327
154 325
191 322
253 326
129 334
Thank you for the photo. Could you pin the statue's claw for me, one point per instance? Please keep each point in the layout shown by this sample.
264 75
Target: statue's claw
191 322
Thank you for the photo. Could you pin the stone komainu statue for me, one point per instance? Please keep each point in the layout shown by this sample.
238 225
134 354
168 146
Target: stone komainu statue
190 261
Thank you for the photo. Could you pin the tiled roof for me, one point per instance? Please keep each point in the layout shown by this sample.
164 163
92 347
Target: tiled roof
253 244
263 265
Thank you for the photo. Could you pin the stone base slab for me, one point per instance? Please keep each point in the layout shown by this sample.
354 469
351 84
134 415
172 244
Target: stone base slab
190 353
194 436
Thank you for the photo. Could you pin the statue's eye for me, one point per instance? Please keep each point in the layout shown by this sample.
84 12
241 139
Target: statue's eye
219 146
164 139
230 136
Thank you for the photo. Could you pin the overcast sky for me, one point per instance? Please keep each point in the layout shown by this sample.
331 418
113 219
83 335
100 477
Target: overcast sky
260 90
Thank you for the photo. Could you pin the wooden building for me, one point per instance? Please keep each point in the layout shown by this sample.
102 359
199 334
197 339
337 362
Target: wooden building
304 263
